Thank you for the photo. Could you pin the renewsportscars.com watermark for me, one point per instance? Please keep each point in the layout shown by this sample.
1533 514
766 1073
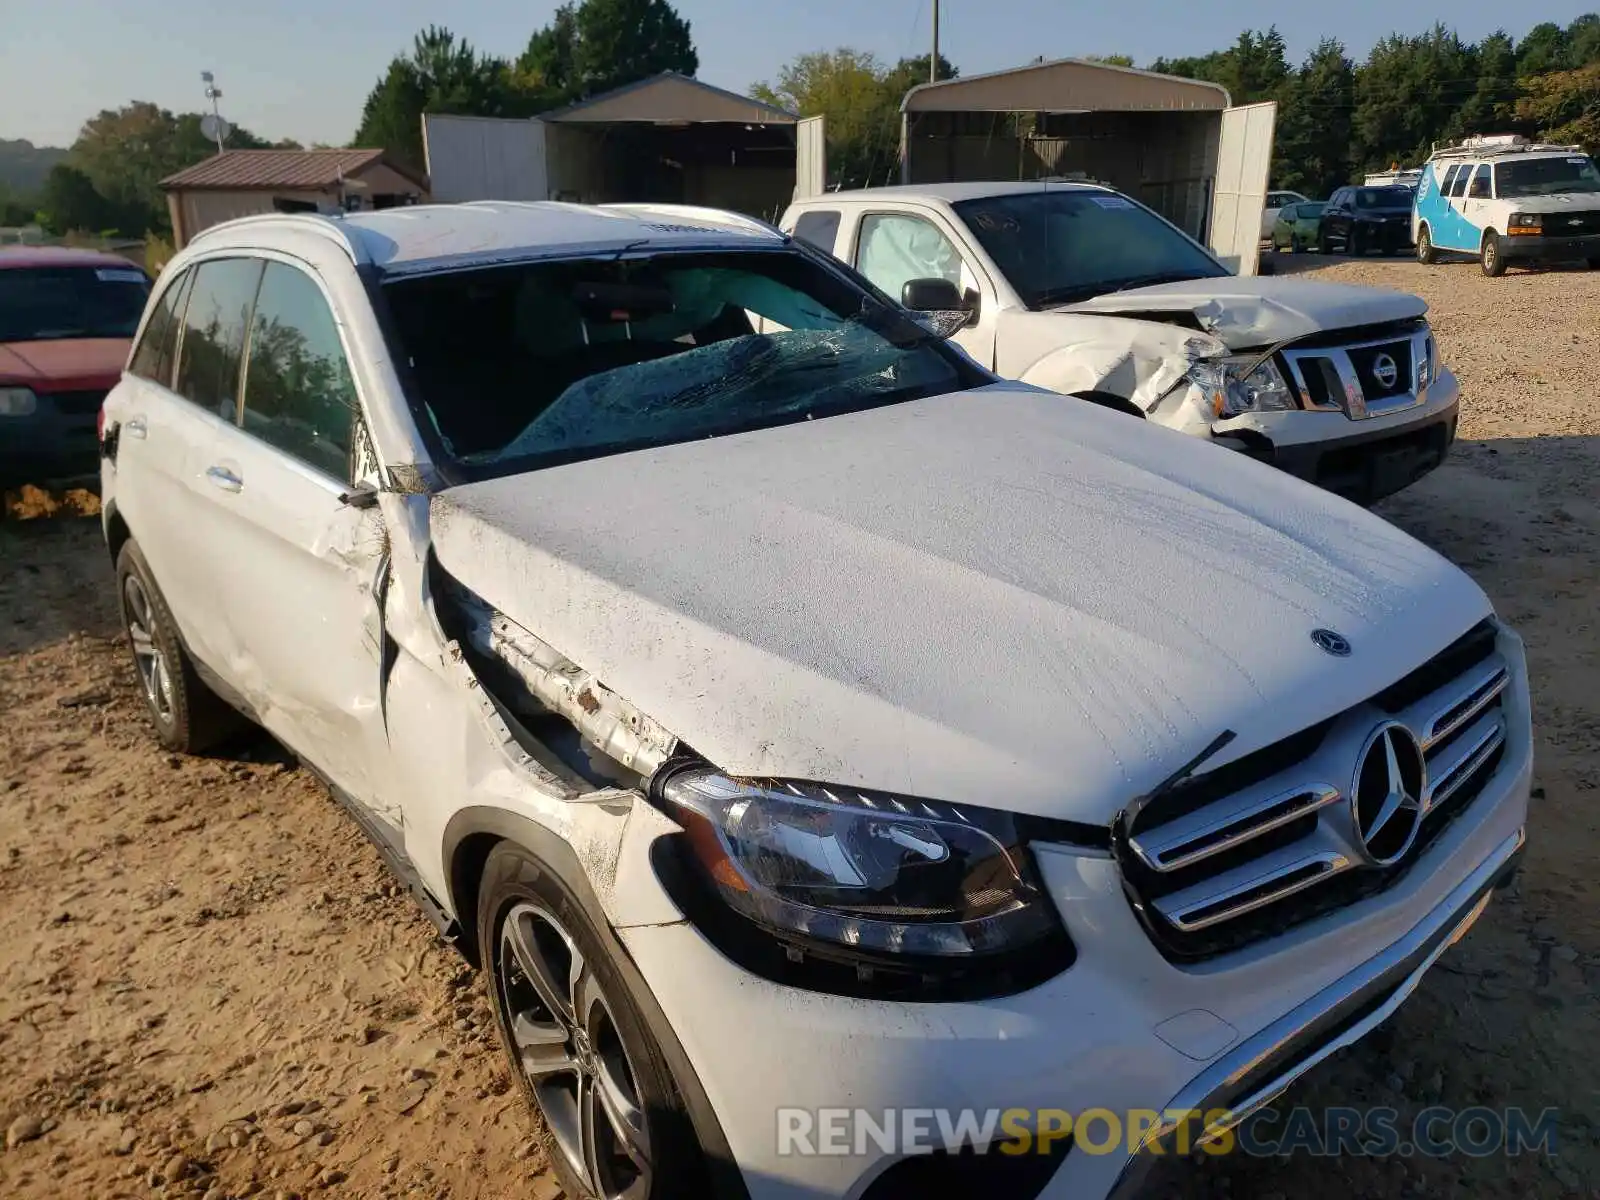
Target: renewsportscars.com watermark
1436 1132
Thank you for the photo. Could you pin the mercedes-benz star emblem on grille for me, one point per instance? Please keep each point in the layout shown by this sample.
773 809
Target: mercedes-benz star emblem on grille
1385 370
1335 644
1386 798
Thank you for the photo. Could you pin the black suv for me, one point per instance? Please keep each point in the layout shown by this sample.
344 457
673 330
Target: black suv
1359 219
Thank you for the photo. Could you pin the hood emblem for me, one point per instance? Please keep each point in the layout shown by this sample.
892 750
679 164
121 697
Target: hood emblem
1333 643
1385 370
1386 799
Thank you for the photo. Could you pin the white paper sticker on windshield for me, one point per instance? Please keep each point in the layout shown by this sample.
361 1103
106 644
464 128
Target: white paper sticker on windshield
115 275
1578 161
1112 201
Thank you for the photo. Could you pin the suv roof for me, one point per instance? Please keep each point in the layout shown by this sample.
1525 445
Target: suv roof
952 192
428 235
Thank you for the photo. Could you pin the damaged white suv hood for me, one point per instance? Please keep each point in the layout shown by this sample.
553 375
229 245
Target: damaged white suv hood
989 597
1261 311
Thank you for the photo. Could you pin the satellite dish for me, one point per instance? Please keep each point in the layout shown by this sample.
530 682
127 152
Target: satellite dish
215 128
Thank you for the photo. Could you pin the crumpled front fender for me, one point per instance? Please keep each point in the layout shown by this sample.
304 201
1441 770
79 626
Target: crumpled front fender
1148 373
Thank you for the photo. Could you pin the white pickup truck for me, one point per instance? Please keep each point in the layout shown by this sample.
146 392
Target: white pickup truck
1079 289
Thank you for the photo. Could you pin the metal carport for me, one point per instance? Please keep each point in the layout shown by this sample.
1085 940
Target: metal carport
668 139
1176 144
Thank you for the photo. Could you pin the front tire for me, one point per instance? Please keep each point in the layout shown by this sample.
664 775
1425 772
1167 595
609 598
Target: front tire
1491 258
188 716
1426 254
610 1118
1593 263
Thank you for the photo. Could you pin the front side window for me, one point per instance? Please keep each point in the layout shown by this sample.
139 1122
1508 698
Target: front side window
1547 176
153 357
1479 188
895 248
220 300
1057 247
40 304
519 367
299 394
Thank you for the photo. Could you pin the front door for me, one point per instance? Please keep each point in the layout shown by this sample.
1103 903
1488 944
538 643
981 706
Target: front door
893 248
304 566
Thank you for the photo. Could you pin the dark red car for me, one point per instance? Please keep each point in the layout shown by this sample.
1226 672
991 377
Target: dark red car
67 318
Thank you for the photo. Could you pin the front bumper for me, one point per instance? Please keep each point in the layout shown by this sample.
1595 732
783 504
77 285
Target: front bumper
1546 248
1363 460
1122 1030
48 446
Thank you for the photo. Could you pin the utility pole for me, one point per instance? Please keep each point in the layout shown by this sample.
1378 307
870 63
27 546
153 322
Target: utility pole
933 63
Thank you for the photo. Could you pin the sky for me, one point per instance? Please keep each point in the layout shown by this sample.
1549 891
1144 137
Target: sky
301 68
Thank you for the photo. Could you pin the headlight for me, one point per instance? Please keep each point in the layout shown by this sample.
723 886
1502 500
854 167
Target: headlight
865 872
1525 223
1261 389
17 402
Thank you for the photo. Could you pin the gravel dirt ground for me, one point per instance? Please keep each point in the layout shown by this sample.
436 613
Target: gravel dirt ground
209 985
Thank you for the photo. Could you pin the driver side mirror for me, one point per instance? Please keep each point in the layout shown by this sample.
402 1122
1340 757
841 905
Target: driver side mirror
938 295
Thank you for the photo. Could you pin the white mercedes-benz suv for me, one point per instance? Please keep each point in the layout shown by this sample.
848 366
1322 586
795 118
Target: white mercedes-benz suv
822 745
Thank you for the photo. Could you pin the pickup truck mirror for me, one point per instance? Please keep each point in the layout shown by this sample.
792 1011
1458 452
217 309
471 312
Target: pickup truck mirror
933 295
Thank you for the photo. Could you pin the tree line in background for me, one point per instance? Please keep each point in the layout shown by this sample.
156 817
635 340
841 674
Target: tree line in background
1336 118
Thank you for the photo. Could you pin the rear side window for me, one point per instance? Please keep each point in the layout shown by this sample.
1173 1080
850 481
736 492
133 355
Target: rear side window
220 300
299 394
153 357
1480 183
819 228
1449 179
1459 188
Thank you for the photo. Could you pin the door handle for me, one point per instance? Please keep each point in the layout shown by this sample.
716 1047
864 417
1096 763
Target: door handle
223 478
134 427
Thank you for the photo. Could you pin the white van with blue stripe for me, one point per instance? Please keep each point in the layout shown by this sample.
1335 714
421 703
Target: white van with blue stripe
1507 200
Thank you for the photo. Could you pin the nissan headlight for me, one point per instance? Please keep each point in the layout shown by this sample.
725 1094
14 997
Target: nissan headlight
18 402
1256 385
863 872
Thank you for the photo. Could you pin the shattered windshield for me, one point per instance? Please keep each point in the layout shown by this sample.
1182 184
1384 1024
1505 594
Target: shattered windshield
542 363
1060 247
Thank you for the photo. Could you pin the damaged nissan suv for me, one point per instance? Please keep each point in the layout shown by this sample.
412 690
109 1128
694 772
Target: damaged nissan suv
835 757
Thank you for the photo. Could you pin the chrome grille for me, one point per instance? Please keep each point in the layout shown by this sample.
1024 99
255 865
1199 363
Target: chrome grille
1352 377
1282 846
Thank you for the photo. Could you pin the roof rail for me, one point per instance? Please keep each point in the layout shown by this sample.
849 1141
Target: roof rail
1492 145
323 224
691 212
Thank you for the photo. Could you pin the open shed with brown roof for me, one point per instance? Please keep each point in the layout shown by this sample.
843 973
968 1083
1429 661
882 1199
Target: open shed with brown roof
666 139
240 183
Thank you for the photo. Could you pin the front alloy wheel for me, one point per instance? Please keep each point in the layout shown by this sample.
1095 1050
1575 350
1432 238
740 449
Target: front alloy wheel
566 1040
1492 260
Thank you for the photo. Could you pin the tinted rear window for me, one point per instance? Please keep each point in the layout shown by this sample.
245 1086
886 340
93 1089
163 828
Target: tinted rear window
45 303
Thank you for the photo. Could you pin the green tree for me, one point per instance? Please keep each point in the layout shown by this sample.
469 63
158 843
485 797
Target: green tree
1493 100
442 74
1110 60
1407 93
69 201
861 99
1564 106
126 152
623 41
1312 145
